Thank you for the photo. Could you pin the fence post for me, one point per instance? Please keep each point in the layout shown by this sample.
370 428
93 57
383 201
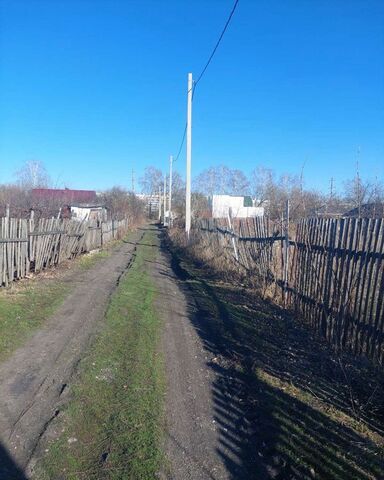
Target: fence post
286 253
233 238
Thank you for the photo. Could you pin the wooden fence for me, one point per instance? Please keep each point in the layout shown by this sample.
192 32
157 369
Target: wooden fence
329 271
28 246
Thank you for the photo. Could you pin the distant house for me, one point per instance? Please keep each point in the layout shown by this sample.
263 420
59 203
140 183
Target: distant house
236 206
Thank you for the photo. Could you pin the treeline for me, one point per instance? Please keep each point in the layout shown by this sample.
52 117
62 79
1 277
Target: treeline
358 197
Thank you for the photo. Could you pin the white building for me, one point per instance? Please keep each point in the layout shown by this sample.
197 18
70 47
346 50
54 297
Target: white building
88 212
236 206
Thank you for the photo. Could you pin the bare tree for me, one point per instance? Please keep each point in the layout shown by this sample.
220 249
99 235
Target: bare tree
123 204
262 184
18 200
221 180
209 181
357 192
178 193
33 174
151 181
200 205
237 183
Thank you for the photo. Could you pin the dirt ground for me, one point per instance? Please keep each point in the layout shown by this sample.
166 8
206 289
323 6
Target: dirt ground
202 440
34 379
218 424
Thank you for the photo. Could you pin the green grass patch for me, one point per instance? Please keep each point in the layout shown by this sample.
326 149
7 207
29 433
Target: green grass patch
90 259
113 424
24 307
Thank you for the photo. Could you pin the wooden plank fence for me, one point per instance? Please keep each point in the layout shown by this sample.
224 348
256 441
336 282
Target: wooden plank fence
28 246
334 268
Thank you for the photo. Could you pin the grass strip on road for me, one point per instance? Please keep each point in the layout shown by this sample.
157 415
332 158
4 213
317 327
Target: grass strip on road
112 426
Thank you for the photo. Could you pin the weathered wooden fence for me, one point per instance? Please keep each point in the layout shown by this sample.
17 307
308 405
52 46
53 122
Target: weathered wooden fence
330 271
29 246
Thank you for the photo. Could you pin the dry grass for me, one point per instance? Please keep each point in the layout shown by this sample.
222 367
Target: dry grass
310 413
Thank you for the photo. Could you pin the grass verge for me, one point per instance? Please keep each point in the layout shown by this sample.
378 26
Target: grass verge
112 426
24 308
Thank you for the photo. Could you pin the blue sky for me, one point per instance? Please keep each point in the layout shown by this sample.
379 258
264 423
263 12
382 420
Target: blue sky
95 88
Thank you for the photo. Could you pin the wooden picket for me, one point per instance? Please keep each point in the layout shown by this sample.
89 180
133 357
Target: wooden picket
28 246
335 272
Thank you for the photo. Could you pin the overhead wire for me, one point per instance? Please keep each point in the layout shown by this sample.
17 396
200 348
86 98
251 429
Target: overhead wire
182 143
194 85
216 46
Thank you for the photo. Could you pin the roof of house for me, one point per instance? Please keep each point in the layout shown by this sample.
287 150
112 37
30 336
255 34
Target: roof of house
64 195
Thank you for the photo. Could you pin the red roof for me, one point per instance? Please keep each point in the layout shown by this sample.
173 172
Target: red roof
65 195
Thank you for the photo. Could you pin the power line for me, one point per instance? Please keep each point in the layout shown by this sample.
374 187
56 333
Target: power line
182 143
217 45
205 68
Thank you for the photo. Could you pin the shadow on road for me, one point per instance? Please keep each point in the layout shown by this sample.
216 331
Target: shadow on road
261 360
8 468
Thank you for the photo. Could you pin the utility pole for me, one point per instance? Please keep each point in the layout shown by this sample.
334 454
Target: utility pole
189 157
170 190
165 198
160 206
133 181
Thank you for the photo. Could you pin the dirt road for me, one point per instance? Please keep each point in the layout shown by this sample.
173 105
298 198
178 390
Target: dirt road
205 427
35 377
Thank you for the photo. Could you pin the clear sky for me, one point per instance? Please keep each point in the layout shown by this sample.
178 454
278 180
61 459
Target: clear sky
94 88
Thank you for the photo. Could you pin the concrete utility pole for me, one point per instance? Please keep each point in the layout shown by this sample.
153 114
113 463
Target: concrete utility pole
170 190
165 198
160 207
189 157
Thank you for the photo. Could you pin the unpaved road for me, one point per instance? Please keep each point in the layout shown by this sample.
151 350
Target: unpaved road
36 375
204 419
205 430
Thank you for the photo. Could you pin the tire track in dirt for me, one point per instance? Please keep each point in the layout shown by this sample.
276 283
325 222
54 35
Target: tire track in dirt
34 378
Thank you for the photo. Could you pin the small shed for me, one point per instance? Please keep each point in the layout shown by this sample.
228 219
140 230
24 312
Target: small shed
82 212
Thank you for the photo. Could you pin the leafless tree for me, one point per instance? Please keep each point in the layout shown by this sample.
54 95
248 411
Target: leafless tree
262 184
123 204
200 205
33 174
151 181
18 200
178 194
237 183
221 180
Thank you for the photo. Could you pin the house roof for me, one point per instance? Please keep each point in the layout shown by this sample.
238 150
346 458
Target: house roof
64 195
